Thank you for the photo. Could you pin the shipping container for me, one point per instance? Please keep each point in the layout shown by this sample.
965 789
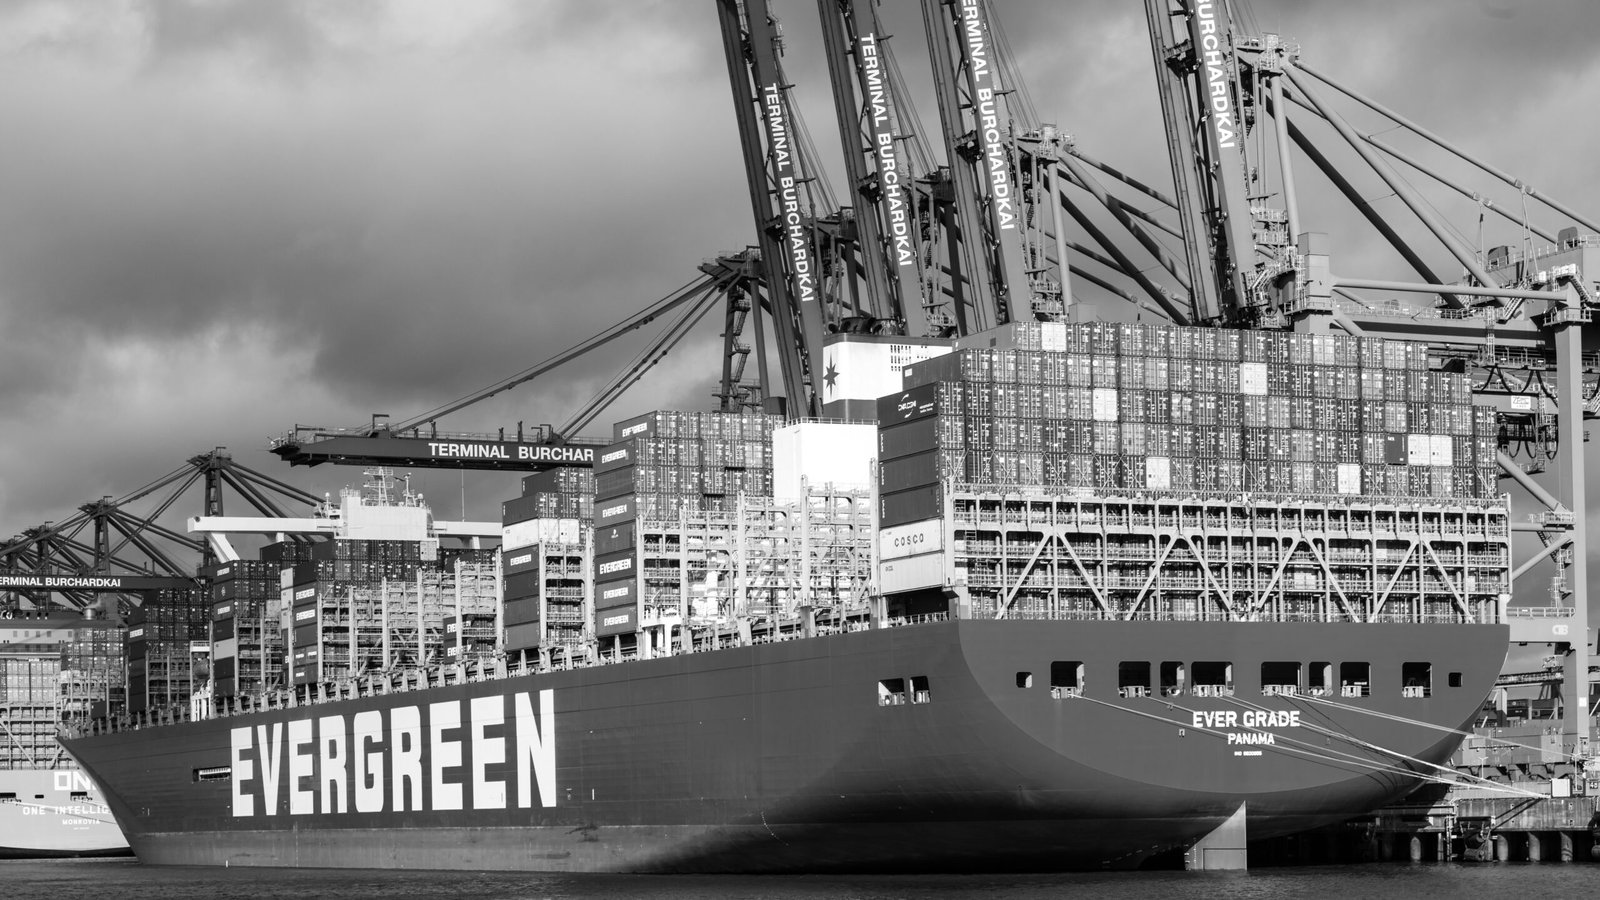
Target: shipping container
614 566
521 611
518 561
615 512
522 584
614 538
525 636
911 539
612 594
908 439
621 620
910 506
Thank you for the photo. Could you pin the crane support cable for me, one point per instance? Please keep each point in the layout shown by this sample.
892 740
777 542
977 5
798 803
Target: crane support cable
647 358
1413 162
1160 295
1126 179
1122 214
1463 254
1440 142
638 319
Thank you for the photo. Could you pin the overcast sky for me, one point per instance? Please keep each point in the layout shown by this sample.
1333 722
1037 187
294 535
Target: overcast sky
219 219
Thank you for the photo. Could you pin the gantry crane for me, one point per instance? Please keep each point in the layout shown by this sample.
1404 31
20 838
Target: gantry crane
1519 323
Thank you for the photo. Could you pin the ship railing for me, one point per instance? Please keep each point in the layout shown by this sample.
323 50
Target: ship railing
1133 690
1540 612
1064 692
918 619
1212 690
1280 690
1354 690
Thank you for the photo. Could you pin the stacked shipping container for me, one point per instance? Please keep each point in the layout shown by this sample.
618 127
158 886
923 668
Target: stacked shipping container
1109 405
545 560
666 465
363 605
94 670
163 636
246 642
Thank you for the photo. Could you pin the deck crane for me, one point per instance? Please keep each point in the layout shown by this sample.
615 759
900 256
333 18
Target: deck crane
1520 324
1002 170
417 442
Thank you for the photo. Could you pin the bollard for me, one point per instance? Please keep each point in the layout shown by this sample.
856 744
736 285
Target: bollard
1535 849
1502 848
1416 848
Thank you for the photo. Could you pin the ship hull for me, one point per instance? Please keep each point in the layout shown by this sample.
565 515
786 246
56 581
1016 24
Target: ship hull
48 813
786 757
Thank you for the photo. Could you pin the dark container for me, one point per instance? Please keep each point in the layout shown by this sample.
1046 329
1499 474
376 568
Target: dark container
910 506
614 512
520 612
516 562
522 584
525 636
908 439
621 620
614 566
617 593
616 483
909 405
909 472
521 509
616 456
614 538
638 426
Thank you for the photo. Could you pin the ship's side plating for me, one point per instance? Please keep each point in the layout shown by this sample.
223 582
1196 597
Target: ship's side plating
800 755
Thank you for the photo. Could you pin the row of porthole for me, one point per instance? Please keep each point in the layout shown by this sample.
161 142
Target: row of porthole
1215 679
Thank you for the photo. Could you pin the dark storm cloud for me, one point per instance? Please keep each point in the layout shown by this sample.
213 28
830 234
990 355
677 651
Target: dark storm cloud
277 33
435 222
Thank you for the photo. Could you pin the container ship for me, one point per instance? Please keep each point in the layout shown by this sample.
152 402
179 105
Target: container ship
53 667
1067 596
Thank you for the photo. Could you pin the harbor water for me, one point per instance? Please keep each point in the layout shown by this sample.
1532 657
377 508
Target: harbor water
126 879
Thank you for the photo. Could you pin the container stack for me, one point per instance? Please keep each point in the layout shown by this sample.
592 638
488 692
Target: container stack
469 637
1056 470
401 622
323 621
664 466
545 559
30 692
545 589
163 635
1159 407
559 493
367 605
246 642
93 670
